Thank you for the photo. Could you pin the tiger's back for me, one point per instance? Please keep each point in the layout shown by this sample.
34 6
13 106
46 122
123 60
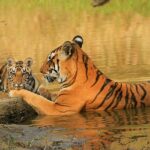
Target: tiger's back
115 95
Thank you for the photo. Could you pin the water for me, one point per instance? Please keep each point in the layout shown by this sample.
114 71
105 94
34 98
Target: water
119 46
114 130
106 130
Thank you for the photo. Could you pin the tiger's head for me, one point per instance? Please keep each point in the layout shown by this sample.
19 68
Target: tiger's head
61 63
19 73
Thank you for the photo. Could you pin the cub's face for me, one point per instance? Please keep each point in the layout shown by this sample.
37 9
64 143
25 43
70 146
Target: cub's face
18 73
61 63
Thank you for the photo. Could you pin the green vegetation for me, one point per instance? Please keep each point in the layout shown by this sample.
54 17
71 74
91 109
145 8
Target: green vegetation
114 6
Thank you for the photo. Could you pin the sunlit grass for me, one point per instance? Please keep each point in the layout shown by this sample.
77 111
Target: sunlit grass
114 6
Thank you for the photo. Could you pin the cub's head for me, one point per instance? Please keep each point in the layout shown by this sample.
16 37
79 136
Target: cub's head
61 64
18 73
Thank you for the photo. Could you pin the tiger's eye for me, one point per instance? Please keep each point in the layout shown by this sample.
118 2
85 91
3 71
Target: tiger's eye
28 70
10 77
50 70
49 57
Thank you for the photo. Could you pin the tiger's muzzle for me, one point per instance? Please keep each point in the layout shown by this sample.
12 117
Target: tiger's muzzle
18 86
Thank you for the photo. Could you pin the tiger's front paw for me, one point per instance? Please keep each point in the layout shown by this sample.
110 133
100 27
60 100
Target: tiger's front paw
44 92
14 93
11 94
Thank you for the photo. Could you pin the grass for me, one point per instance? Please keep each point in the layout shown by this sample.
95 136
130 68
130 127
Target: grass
114 6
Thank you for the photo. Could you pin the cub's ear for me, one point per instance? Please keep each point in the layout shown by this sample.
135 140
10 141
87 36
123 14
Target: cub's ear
78 40
10 61
28 61
67 49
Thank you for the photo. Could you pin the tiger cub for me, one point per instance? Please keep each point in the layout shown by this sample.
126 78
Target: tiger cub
18 75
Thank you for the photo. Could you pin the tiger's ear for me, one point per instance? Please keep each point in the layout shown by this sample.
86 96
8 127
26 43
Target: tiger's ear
67 49
28 61
10 61
78 40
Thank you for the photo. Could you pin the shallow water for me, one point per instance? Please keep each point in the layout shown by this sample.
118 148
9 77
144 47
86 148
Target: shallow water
119 46
127 129
114 130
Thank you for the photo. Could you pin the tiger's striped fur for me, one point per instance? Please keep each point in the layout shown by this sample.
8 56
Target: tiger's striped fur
18 75
84 86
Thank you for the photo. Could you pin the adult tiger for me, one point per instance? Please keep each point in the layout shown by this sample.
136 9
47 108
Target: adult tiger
18 75
84 86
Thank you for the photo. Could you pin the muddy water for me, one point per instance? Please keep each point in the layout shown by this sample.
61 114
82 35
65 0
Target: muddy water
106 130
119 46
115 130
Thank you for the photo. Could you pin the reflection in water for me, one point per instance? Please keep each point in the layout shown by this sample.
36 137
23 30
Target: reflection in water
108 130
